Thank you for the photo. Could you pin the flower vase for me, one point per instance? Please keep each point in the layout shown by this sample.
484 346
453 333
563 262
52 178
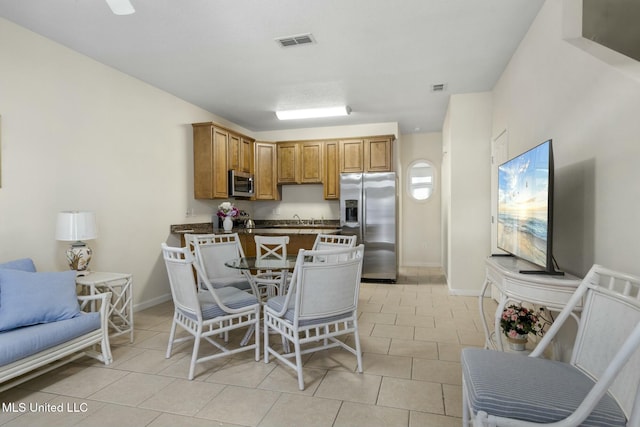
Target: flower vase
227 223
518 343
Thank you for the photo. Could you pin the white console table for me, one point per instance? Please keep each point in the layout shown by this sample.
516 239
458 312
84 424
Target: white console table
503 272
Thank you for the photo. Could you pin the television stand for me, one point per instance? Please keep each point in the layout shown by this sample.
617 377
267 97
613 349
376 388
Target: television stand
513 286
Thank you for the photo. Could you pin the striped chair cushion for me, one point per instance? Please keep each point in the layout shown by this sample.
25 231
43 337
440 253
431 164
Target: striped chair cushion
525 388
230 296
237 281
276 304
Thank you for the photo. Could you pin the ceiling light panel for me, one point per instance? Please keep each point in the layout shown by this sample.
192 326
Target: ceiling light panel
312 113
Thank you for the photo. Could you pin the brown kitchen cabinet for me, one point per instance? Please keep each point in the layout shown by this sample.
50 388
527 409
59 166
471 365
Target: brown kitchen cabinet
209 161
300 162
331 181
288 162
265 170
240 153
377 154
372 154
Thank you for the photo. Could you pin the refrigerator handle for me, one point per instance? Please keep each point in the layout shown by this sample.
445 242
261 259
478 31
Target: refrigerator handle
363 209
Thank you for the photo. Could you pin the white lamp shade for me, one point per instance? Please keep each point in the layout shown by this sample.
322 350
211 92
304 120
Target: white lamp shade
76 226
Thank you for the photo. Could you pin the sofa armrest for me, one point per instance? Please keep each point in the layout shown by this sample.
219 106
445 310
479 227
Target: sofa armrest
99 302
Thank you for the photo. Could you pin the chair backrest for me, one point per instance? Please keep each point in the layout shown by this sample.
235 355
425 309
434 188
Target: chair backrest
326 283
610 327
211 251
271 247
331 241
608 337
179 263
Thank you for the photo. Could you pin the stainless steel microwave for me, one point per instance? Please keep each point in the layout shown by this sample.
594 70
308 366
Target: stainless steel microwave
240 184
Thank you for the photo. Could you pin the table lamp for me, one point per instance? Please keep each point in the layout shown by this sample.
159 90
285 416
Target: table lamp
74 226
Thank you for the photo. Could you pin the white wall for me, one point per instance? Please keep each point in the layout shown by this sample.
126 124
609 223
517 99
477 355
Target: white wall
79 135
466 164
420 234
557 88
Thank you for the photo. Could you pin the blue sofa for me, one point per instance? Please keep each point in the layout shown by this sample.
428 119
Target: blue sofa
45 324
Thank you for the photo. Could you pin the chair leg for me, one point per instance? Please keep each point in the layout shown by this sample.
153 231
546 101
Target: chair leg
194 356
257 314
296 345
266 340
356 338
172 335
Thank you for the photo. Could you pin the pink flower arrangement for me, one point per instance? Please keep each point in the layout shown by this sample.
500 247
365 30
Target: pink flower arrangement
227 209
517 320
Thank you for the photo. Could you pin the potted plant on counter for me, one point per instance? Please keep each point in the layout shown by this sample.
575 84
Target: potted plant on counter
227 212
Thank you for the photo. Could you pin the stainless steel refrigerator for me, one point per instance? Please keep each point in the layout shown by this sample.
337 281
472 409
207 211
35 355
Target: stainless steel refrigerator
368 209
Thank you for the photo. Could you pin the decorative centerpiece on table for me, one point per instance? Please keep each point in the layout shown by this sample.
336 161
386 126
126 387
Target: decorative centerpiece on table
227 212
518 322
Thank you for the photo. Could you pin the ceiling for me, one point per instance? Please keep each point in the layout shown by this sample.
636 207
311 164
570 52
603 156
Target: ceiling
380 57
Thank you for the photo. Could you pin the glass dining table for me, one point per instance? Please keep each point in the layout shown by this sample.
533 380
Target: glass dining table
265 263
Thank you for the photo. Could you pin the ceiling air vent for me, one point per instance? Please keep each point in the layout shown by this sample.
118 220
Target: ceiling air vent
438 87
295 40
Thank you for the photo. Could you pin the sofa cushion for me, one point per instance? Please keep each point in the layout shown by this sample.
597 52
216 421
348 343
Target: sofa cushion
23 342
28 298
24 264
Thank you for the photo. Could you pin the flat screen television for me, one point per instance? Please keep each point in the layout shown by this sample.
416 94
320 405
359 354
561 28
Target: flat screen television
525 207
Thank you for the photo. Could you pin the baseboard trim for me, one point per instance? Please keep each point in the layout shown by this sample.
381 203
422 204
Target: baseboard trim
152 302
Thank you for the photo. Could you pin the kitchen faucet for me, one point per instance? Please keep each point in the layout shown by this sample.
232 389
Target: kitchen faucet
297 216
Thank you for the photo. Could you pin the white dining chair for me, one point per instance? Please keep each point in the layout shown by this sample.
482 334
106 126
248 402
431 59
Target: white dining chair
269 282
599 386
208 313
319 306
211 251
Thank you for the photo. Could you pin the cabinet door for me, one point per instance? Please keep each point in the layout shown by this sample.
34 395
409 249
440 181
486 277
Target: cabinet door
202 162
220 169
331 187
311 155
235 151
209 162
265 160
377 154
287 163
246 155
352 155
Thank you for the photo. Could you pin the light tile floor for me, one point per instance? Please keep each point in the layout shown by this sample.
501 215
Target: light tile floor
411 334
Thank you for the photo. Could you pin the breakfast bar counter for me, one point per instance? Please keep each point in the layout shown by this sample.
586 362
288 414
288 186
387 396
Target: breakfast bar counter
301 237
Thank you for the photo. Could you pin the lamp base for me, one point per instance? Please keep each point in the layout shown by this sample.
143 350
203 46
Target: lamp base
78 256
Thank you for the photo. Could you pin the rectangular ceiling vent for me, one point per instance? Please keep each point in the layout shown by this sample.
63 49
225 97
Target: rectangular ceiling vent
438 87
295 40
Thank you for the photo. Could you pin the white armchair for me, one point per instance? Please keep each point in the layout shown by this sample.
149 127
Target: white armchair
599 387
319 306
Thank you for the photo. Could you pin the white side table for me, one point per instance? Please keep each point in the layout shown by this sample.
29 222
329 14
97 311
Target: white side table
120 311
552 292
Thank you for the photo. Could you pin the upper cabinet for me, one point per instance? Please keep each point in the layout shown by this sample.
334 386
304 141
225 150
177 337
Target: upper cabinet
351 155
288 162
366 154
377 154
300 162
331 181
240 153
209 161
265 164
215 151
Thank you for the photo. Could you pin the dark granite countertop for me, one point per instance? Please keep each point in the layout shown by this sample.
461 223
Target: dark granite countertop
261 228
